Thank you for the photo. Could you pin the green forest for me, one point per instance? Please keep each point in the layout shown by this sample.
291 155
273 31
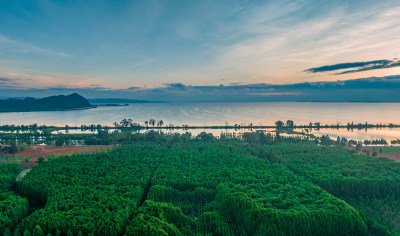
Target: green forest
158 184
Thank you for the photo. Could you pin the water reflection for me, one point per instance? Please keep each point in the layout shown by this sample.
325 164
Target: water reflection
354 134
358 134
216 113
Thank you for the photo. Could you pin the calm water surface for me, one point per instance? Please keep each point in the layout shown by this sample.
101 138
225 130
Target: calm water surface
220 113
258 113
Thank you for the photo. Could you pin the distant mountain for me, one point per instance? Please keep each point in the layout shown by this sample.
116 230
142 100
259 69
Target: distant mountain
53 103
117 100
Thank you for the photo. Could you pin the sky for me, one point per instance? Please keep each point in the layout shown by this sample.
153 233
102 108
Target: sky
127 48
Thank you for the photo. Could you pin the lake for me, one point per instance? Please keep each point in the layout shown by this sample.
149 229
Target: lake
220 113
216 113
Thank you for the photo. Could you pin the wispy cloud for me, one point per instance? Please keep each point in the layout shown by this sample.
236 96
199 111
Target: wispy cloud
285 47
54 80
274 94
15 46
384 65
7 80
4 82
361 66
11 86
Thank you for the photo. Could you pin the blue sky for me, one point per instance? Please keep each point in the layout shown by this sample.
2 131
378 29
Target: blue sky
114 45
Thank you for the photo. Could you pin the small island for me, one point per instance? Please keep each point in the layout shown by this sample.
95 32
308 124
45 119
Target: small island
52 103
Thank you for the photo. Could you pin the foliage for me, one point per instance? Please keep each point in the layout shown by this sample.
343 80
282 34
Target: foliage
371 185
11 149
385 211
341 172
12 207
159 184
60 140
171 188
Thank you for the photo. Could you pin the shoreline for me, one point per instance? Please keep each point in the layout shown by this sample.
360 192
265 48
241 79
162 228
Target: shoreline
140 127
66 109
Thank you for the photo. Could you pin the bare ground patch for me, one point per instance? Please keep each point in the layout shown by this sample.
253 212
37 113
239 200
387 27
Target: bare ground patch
33 153
386 152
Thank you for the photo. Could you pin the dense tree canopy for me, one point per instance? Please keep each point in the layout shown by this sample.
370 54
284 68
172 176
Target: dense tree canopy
12 207
179 185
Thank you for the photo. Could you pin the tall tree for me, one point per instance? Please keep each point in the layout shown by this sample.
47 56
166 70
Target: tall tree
279 124
289 123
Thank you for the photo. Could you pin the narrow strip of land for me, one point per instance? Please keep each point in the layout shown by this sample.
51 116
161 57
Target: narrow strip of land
236 126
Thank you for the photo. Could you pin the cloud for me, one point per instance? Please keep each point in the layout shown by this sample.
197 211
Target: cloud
15 46
317 33
198 42
134 88
64 88
389 64
10 86
101 88
9 82
46 80
6 80
236 83
361 66
179 86
370 89
274 94
345 66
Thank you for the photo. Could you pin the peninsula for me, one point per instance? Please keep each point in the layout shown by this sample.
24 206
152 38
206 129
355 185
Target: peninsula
53 103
